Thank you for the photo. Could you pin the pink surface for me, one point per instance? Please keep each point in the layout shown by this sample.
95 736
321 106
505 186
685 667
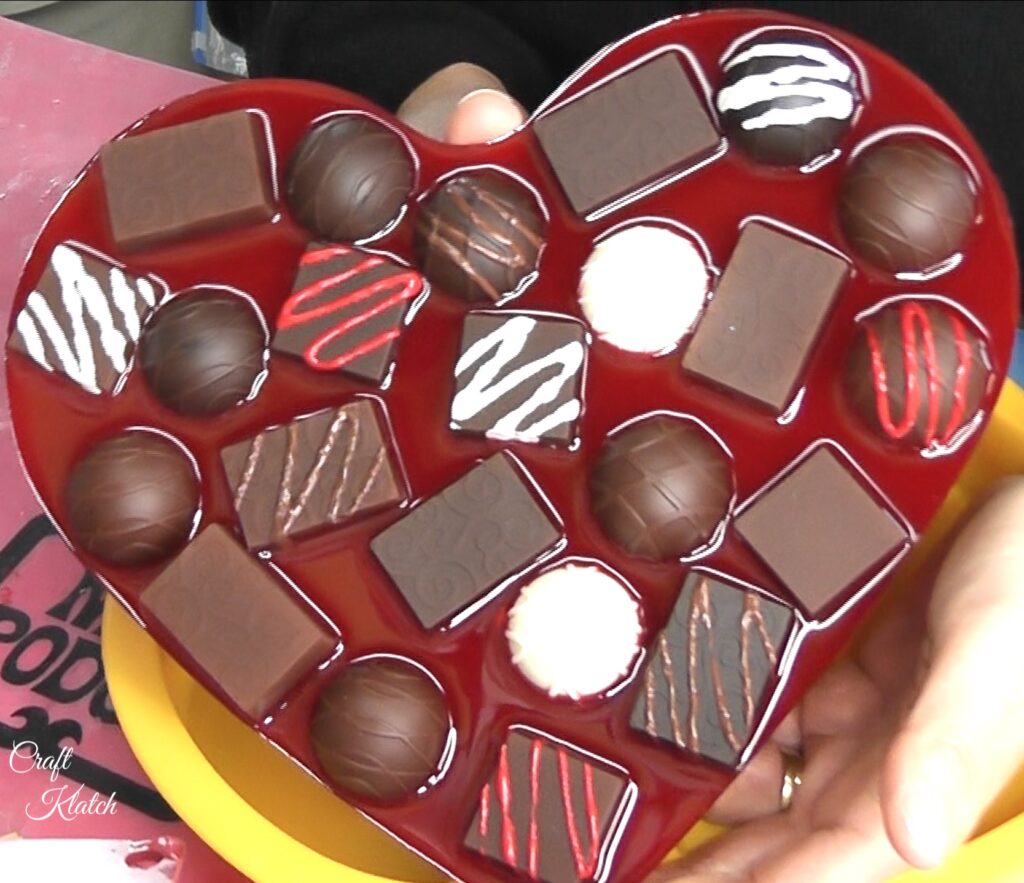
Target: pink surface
59 100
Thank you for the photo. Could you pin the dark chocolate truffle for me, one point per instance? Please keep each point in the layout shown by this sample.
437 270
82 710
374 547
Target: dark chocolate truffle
906 206
132 499
479 237
349 178
380 729
203 352
661 488
787 98
917 373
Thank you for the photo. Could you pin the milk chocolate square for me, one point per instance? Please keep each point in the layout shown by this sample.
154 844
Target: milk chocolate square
638 128
518 377
453 548
550 811
252 636
710 670
820 531
187 180
765 315
324 469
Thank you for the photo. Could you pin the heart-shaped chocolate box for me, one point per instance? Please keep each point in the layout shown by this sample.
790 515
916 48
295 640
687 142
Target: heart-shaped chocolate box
610 432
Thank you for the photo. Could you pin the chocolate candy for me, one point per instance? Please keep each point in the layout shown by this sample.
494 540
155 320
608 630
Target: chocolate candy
132 499
786 98
254 637
319 470
346 311
765 316
819 529
550 811
519 377
203 352
642 126
662 488
83 318
563 653
906 205
643 288
479 237
455 547
712 667
380 729
349 178
916 373
187 180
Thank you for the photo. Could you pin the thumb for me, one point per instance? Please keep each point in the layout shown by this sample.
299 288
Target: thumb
964 736
483 116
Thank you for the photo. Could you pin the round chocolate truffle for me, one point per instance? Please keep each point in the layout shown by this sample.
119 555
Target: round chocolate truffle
380 729
574 631
349 179
906 206
787 97
661 488
479 237
917 373
132 499
643 288
203 352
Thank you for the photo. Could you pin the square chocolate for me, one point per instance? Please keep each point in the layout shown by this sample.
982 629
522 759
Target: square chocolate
551 811
765 315
518 377
820 530
346 311
251 635
84 317
711 669
324 469
453 548
639 127
188 179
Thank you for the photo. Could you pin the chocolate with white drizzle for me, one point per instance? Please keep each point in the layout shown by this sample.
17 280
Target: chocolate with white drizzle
787 98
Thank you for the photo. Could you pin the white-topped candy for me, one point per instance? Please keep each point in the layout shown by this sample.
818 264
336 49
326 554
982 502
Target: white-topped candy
574 631
643 288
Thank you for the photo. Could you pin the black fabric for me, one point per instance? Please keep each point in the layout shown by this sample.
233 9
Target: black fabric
967 51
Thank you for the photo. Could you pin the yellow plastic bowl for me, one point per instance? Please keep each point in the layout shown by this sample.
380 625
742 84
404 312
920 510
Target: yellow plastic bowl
276 824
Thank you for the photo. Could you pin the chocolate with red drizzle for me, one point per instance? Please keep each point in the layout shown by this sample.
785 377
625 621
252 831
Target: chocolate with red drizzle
550 811
319 470
917 373
346 311
711 668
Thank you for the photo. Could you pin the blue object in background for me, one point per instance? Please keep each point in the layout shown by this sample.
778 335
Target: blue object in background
1017 359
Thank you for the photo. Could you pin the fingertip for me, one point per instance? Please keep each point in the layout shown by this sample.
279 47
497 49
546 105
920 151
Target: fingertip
483 115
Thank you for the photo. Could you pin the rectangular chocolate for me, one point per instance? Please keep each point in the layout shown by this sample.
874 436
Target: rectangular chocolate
239 623
711 668
550 811
634 130
84 317
187 180
456 546
765 315
519 377
319 470
820 531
